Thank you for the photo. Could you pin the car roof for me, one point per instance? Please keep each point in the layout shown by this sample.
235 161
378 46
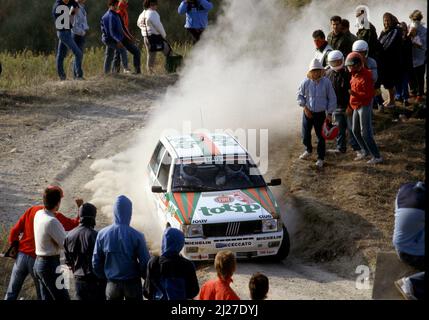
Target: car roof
196 145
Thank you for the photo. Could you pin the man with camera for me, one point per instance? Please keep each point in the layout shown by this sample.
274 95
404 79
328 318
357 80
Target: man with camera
197 13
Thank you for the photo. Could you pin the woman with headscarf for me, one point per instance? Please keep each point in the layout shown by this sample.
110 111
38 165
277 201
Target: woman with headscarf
390 57
367 31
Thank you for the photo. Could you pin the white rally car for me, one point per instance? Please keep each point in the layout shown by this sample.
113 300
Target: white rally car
208 186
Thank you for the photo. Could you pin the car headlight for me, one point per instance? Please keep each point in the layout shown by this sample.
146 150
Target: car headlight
269 225
192 230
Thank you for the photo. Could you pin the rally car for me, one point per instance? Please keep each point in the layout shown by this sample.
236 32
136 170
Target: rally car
208 186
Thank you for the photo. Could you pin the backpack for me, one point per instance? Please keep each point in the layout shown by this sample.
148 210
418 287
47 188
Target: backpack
163 287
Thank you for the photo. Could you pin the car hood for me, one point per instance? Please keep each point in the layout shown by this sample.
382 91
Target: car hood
224 206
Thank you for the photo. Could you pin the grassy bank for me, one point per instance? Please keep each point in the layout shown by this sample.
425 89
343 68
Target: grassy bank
28 69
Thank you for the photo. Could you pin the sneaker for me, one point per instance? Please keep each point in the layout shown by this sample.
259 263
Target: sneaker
380 108
305 155
405 288
80 78
406 103
375 161
319 163
360 156
127 71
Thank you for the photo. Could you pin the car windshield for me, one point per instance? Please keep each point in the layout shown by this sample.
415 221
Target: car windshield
192 177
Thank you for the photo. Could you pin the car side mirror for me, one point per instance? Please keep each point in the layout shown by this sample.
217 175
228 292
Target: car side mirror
275 182
157 189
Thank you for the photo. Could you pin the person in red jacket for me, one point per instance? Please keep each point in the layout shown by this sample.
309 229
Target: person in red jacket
361 98
22 237
121 54
219 289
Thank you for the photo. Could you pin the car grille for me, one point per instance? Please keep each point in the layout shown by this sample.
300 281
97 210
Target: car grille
232 228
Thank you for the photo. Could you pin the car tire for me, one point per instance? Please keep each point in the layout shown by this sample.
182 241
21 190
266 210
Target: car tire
284 246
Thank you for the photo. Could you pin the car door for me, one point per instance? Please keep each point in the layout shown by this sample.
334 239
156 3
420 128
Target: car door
163 179
155 162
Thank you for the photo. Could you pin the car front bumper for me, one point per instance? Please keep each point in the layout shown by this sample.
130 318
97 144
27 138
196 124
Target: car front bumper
247 246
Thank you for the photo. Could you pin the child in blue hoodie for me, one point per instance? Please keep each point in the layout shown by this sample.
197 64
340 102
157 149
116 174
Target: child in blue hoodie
171 276
317 97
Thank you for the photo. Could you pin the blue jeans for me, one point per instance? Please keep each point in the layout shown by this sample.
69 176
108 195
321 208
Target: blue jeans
22 267
66 42
109 54
402 87
90 290
341 120
135 51
120 55
80 42
47 272
307 125
363 132
352 140
128 289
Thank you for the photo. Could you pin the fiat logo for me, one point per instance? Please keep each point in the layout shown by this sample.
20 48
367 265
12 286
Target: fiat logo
224 199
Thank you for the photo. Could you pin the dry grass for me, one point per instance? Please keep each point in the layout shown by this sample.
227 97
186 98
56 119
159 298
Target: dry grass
26 69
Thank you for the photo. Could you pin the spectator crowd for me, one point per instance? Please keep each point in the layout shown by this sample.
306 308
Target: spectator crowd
341 88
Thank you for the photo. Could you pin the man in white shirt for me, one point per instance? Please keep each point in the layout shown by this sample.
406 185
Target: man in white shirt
49 237
153 33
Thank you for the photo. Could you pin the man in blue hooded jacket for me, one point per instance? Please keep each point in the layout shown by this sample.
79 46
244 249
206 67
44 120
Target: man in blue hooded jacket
197 16
120 255
114 37
170 276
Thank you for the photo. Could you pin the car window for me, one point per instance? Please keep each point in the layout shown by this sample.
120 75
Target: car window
164 170
156 157
215 177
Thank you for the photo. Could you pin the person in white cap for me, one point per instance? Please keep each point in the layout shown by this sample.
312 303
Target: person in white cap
340 79
361 47
317 97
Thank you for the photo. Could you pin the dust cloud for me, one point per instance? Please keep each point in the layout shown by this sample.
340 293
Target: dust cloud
242 75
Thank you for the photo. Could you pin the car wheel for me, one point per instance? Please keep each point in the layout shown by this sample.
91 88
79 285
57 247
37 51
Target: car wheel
284 246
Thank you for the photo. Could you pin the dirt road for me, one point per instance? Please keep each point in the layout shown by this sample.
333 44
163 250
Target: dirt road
44 141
